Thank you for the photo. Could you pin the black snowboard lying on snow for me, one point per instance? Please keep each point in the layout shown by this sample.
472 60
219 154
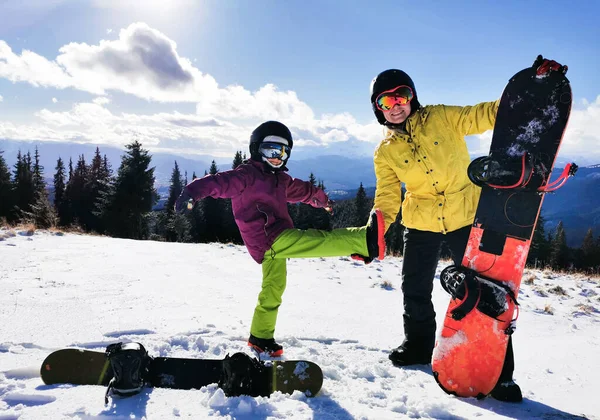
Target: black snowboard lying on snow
238 374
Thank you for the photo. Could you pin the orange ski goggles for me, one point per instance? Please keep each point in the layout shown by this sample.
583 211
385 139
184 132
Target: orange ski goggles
400 95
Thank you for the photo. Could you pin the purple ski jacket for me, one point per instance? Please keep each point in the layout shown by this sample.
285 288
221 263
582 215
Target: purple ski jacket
259 200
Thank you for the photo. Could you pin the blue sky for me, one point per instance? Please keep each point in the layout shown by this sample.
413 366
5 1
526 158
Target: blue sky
194 77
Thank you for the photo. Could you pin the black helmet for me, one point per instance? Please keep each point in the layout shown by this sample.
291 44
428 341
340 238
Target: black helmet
389 79
270 128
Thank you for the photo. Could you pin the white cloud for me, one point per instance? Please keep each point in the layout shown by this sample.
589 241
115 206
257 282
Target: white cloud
101 100
142 62
582 136
580 141
1 98
335 136
31 68
235 102
92 122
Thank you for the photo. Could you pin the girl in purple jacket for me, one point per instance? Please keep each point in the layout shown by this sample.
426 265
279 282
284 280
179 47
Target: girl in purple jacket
259 190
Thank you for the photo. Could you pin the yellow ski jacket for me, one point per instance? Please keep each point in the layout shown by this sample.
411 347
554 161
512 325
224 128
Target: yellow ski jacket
431 159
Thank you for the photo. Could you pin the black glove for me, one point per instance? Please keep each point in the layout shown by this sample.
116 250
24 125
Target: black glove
544 66
184 202
358 257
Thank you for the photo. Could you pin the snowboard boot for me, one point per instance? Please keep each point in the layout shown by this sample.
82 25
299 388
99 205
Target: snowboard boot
243 375
130 364
507 391
265 345
375 235
407 354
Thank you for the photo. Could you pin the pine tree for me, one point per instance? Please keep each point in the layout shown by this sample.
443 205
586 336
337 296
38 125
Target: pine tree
237 160
24 191
94 185
6 192
43 213
106 169
60 202
308 217
212 210
59 184
175 188
196 219
559 255
588 250
362 207
176 226
539 252
39 184
126 206
76 193
97 187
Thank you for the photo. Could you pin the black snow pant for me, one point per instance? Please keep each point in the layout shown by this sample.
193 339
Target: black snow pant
421 257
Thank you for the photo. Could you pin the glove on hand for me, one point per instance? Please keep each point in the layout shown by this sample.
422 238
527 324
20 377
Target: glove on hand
184 202
362 258
329 207
544 66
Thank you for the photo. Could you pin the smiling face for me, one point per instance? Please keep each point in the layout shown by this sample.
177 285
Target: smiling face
398 114
275 162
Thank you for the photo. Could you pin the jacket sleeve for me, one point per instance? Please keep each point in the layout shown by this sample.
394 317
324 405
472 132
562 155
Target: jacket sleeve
299 191
388 191
475 119
226 184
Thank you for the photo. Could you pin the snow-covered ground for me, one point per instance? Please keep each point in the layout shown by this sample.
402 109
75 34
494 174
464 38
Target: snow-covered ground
192 300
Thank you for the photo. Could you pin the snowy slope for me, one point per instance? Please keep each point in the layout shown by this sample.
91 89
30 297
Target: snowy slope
192 300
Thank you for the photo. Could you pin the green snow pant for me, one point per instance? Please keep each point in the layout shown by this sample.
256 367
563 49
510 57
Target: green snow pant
296 243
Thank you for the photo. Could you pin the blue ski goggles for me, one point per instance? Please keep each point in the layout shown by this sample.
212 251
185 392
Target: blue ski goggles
274 150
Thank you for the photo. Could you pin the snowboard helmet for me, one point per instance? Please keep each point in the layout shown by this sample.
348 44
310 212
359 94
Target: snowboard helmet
389 79
272 132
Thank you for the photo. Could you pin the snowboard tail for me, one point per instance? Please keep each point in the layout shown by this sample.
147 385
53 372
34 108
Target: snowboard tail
531 119
85 367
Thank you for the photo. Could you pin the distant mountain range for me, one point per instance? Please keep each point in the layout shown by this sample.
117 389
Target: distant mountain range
577 204
338 172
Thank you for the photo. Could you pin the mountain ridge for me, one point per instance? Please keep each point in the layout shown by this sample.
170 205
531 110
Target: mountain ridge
576 204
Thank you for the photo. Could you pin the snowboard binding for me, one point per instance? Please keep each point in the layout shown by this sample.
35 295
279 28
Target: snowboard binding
525 173
130 363
243 375
476 292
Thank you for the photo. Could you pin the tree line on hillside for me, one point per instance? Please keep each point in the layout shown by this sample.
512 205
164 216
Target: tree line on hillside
90 197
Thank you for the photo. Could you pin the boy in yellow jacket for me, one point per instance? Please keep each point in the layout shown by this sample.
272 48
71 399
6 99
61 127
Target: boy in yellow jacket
425 149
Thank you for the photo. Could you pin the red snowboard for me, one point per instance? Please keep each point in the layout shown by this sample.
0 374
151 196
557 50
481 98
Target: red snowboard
533 113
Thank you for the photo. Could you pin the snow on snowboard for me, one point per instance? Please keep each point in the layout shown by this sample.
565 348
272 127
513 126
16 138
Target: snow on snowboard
239 374
532 116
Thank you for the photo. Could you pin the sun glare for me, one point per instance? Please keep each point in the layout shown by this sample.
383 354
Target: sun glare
154 10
